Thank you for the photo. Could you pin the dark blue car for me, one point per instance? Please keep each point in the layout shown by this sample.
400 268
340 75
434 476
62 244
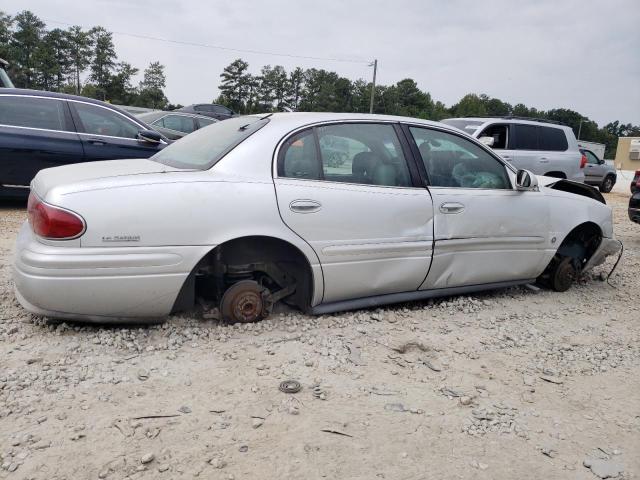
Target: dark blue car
44 129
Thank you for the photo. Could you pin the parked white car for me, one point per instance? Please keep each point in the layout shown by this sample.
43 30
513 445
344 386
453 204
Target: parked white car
325 212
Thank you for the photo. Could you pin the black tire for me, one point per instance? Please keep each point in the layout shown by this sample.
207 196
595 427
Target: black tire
607 184
563 275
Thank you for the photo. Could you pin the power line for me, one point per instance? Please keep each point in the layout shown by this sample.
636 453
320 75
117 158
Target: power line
219 47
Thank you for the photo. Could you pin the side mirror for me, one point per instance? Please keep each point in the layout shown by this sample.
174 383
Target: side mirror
526 181
149 136
488 141
601 161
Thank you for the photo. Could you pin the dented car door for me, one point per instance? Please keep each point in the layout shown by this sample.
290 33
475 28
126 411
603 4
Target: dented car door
485 231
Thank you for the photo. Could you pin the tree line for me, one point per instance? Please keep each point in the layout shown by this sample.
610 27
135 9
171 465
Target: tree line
320 90
84 62
75 60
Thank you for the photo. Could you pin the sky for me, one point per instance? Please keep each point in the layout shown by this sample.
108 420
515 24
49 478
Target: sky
577 54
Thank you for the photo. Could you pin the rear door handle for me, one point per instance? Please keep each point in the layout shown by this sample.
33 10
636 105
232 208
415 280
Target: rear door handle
450 207
544 160
305 206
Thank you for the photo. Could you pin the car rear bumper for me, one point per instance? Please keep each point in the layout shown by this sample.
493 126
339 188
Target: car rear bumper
105 284
608 247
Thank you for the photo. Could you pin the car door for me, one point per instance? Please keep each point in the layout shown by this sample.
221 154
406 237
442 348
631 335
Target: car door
485 231
527 152
35 133
593 170
107 134
347 190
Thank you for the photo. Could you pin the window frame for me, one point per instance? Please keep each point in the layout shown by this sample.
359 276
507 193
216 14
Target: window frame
589 152
423 169
414 173
69 123
80 128
509 138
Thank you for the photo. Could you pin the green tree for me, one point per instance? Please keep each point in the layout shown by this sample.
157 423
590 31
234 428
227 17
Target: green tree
235 84
120 89
104 60
80 44
471 105
151 87
24 45
6 22
54 63
296 82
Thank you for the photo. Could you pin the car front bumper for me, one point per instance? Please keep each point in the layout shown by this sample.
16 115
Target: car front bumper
608 247
104 284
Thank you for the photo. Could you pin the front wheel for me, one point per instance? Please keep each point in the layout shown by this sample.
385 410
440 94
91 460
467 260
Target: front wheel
563 275
607 184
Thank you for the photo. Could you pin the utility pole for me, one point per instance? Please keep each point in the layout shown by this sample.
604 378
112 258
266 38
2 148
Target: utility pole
373 84
580 128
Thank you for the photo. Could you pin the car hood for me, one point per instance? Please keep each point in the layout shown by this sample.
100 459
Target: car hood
570 186
79 173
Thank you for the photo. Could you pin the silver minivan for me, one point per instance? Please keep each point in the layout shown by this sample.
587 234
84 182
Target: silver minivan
541 147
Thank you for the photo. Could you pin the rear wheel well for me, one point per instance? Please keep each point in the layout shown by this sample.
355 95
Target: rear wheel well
265 257
555 174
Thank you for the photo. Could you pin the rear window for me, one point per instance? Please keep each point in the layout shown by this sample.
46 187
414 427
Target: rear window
23 111
553 139
204 148
467 126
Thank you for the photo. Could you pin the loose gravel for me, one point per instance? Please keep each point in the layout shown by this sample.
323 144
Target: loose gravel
508 384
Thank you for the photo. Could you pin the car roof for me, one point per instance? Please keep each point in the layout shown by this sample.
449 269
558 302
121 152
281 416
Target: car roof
300 119
525 121
64 96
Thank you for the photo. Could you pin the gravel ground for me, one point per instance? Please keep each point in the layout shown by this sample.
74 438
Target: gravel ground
508 384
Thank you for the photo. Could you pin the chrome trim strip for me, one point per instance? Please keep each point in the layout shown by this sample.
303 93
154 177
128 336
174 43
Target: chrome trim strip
8 185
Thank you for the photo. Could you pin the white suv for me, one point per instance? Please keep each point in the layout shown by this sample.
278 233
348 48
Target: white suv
540 146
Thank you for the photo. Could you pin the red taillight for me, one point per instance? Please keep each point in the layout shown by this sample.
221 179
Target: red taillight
52 222
583 161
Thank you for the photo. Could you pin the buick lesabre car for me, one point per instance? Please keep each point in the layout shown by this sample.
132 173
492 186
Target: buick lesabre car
325 212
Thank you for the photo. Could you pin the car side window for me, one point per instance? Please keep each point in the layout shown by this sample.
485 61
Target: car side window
220 109
24 111
362 153
500 135
203 122
552 139
179 123
366 153
453 161
526 137
591 158
102 121
299 157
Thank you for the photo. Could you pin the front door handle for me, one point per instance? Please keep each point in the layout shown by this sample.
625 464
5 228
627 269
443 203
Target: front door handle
544 160
450 207
95 141
305 206
506 157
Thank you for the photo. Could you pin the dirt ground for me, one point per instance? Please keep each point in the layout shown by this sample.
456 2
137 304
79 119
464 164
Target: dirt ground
503 385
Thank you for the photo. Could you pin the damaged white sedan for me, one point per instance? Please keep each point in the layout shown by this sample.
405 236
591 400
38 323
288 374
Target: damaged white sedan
325 212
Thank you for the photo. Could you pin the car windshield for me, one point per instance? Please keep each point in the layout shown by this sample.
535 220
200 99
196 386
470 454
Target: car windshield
203 148
467 126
